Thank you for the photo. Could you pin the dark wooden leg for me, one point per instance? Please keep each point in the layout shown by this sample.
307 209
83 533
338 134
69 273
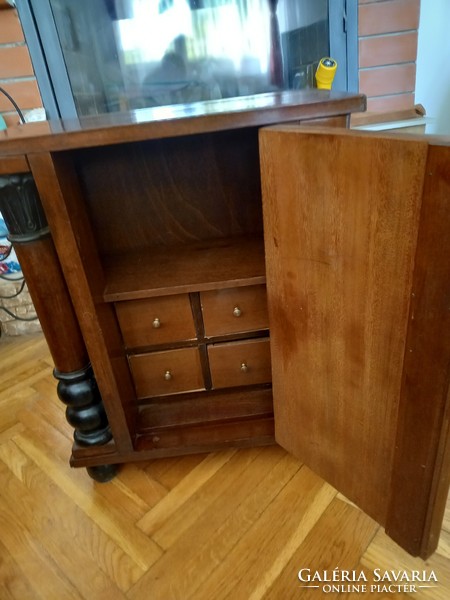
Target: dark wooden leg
85 412
28 231
102 473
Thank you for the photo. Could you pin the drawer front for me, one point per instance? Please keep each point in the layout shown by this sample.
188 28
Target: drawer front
240 363
169 372
155 320
233 310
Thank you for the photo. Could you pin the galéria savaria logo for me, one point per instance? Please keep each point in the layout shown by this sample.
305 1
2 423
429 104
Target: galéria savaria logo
379 581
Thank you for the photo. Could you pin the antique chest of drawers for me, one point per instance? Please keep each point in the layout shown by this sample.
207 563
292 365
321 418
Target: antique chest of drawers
231 273
153 297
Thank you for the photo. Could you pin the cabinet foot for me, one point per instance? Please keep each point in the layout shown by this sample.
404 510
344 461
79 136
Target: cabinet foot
102 473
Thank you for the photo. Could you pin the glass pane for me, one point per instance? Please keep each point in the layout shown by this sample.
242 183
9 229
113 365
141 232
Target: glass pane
127 54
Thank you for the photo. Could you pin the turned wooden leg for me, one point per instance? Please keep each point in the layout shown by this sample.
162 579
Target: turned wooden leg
85 412
29 233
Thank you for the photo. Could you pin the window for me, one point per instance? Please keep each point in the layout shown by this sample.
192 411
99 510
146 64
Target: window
98 56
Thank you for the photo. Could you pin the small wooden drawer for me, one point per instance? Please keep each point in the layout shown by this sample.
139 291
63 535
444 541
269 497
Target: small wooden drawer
155 320
240 363
169 372
233 310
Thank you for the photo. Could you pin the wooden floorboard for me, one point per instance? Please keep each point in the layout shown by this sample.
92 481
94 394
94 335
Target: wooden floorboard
235 525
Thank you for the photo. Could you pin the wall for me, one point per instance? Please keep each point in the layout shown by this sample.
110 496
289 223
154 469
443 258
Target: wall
433 72
16 73
388 33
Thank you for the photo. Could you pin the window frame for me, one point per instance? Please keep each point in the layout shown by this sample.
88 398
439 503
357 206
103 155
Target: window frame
53 79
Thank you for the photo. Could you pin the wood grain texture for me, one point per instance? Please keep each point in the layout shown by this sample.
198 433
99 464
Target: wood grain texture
176 191
218 405
341 217
219 310
354 531
14 164
52 300
233 524
422 461
138 326
205 437
383 552
159 203
211 264
60 194
166 372
240 363
179 120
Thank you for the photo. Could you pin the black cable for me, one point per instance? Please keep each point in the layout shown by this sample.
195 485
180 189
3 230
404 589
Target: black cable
13 278
13 102
15 317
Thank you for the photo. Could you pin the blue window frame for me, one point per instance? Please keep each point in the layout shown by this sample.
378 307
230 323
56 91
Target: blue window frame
73 84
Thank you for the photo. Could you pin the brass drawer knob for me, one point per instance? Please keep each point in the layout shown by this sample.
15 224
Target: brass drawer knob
244 367
156 323
167 375
237 312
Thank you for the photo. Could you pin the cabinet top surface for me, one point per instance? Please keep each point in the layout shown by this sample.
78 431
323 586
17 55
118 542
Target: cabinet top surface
178 120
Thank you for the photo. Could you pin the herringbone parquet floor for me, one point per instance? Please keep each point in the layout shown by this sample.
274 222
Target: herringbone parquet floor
235 525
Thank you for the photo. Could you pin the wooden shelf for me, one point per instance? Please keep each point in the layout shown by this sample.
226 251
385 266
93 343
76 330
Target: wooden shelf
166 270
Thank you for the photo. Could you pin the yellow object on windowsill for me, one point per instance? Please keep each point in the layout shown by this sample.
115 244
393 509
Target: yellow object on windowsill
325 73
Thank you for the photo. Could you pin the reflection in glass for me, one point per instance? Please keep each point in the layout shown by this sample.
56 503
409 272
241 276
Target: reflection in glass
126 54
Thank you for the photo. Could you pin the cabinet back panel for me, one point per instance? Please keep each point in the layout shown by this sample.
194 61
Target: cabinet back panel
172 191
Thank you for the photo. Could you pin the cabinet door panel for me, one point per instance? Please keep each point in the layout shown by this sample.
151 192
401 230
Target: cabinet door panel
342 214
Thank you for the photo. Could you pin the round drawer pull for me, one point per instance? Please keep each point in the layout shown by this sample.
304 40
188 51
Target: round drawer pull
237 312
244 367
167 375
156 323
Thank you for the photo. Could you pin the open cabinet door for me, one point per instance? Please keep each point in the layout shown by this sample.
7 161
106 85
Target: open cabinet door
357 237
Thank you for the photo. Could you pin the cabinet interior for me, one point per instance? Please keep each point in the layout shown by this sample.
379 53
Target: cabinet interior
175 214
179 217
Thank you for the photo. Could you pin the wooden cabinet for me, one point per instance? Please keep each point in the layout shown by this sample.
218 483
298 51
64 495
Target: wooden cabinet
159 265
157 256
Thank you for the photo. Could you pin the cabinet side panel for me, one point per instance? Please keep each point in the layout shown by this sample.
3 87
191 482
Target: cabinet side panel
341 217
75 244
421 472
